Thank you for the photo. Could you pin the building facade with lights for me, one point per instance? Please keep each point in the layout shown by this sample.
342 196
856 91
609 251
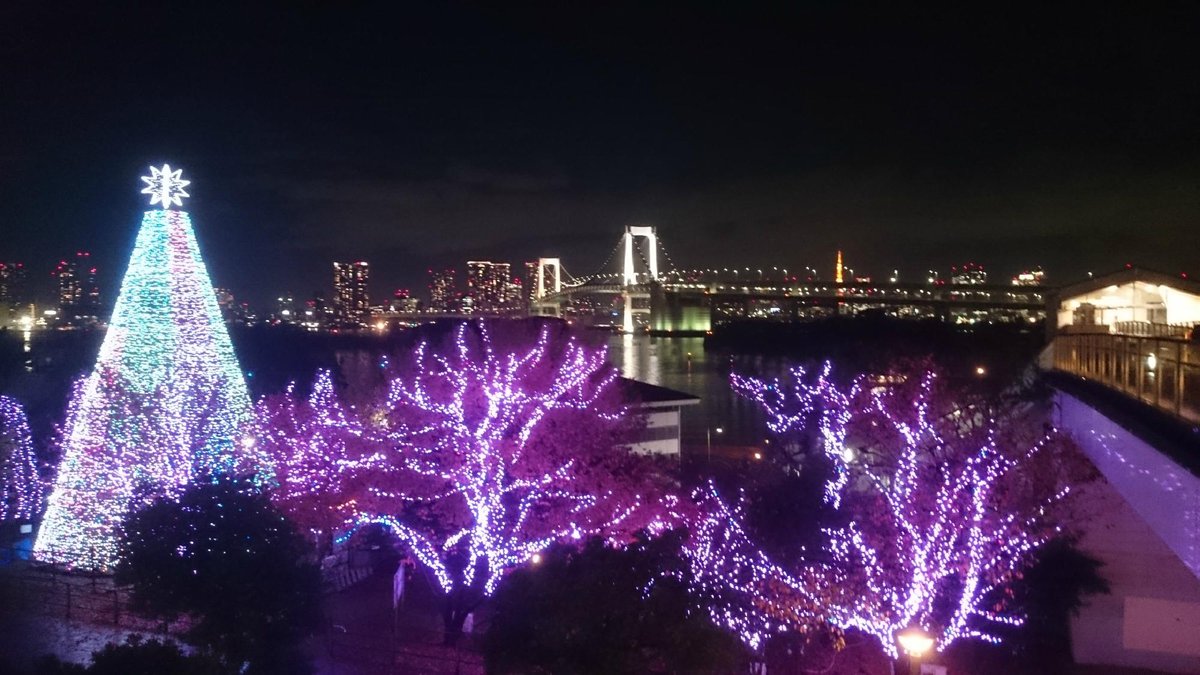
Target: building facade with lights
443 291
351 304
78 290
488 285
662 409
13 300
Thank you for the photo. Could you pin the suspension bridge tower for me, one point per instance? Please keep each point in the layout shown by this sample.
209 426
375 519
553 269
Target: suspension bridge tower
629 277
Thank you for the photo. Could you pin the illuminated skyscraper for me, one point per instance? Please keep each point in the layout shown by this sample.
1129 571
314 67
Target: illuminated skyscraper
837 272
442 291
350 302
12 283
529 283
12 292
487 284
78 292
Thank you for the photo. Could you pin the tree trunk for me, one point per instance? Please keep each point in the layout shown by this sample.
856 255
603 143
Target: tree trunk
454 614
453 617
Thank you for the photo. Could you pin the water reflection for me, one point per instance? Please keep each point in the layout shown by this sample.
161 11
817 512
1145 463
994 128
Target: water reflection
685 365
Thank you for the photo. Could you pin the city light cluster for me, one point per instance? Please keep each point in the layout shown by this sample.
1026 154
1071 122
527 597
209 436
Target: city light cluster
936 521
20 484
166 401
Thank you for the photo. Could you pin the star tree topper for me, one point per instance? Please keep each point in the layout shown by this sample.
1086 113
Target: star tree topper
165 186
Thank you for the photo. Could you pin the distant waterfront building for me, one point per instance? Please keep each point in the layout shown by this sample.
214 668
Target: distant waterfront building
285 310
487 285
78 291
322 311
442 291
970 274
226 302
662 409
403 301
1033 277
233 311
350 302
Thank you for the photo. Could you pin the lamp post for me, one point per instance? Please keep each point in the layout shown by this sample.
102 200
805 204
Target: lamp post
914 642
709 434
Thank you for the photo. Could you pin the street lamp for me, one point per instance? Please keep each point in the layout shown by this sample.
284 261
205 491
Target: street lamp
710 430
915 642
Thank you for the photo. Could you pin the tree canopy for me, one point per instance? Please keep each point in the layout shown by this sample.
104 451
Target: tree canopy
224 557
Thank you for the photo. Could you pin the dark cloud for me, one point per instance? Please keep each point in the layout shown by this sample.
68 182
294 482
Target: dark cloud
415 136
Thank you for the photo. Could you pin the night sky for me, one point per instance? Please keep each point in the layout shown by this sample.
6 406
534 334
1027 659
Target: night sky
426 135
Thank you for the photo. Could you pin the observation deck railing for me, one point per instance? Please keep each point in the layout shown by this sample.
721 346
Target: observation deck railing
1161 371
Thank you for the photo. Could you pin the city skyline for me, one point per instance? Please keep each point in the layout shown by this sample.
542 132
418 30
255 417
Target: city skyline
53 293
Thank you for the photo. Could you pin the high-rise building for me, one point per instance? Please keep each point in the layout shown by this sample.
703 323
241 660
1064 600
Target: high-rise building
529 285
350 301
970 274
512 300
78 292
442 291
12 293
12 283
487 285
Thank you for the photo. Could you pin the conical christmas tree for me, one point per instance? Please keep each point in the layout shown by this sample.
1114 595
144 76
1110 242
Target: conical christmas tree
166 401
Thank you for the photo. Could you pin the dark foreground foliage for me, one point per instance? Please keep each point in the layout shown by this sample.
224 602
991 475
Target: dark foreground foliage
1050 591
135 657
603 610
223 556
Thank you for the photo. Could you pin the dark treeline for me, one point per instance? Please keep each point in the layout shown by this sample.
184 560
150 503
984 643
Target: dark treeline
856 344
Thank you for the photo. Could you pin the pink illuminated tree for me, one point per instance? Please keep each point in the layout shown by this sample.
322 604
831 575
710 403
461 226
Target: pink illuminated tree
740 587
944 502
477 454
315 447
20 484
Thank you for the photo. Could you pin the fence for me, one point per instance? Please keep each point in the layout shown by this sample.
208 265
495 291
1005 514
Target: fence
45 590
36 589
1161 371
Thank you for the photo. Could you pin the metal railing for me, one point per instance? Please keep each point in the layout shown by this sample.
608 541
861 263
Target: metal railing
1161 371
1148 329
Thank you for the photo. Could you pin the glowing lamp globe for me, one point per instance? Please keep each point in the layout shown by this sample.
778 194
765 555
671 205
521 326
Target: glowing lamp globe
914 641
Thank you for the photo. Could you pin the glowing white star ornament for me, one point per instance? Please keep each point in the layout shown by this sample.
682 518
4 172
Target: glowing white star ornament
165 186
